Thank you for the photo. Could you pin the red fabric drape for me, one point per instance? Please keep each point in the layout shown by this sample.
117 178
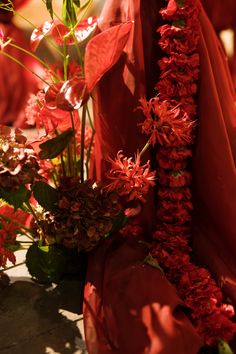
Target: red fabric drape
222 16
214 163
15 82
130 307
221 13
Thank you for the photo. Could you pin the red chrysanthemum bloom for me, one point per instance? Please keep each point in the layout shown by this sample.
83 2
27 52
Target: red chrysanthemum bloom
179 38
180 9
130 178
174 194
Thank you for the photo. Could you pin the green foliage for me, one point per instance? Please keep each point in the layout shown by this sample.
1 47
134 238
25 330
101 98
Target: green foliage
152 262
224 348
49 7
76 3
53 147
120 221
48 264
45 265
45 195
17 197
68 13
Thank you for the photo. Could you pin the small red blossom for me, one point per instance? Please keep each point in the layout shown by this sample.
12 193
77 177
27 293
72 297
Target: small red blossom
130 178
168 126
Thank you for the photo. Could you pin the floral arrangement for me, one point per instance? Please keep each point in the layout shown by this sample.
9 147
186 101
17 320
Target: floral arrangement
47 195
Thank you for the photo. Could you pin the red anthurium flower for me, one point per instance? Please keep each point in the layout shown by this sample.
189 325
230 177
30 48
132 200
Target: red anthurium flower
52 119
51 94
73 94
103 51
58 31
39 33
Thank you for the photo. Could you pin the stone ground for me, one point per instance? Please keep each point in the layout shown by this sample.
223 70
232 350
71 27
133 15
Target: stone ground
36 319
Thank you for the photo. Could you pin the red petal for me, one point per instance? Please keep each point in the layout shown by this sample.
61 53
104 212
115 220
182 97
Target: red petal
103 51
58 32
85 28
39 33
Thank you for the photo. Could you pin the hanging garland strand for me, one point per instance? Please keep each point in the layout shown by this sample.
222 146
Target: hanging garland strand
170 122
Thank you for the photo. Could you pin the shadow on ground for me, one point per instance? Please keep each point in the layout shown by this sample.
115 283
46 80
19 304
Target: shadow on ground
35 319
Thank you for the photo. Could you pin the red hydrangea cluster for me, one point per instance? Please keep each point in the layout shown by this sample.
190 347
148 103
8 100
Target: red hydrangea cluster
170 122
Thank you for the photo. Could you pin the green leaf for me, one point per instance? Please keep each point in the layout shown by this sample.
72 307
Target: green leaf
15 197
45 267
224 348
49 7
45 195
68 13
76 3
15 247
118 223
152 262
53 147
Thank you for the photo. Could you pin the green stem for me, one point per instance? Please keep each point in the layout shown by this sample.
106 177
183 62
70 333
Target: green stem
63 165
65 60
89 153
85 9
69 162
31 210
83 124
74 143
32 25
23 66
14 266
78 52
146 146
36 58
91 141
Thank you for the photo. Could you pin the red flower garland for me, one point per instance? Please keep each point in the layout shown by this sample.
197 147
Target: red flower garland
170 122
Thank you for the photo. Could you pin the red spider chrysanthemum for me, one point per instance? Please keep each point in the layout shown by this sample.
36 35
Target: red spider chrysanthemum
129 178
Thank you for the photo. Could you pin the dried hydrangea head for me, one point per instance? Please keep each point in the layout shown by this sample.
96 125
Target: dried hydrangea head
84 215
18 162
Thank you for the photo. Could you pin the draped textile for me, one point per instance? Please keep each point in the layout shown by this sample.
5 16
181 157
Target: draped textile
129 307
214 164
16 83
222 16
221 13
